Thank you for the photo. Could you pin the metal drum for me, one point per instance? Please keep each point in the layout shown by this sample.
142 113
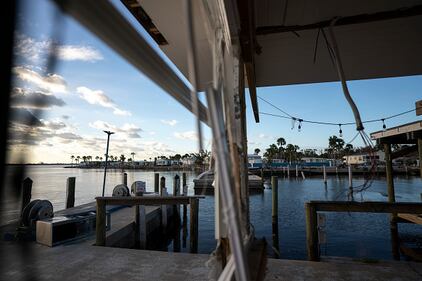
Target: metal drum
121 190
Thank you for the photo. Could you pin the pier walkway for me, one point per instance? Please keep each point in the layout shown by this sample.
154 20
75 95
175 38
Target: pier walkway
81 262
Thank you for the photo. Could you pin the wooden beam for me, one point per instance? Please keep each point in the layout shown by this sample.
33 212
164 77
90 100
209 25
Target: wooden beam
249 46
418 106
420 155
146 201
367 207
404 151
349 20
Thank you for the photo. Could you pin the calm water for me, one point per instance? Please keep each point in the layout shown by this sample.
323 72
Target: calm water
352 235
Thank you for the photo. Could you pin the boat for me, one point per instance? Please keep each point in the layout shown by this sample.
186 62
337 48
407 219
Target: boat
203 184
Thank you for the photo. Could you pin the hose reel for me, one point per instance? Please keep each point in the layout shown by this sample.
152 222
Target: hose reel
121 190
36 210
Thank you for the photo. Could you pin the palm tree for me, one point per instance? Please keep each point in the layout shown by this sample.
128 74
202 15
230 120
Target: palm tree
78 158
71 158
133 155
97 157
257 151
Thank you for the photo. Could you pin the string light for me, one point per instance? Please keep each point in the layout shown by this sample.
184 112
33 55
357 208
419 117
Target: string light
340 131
383 124
300 125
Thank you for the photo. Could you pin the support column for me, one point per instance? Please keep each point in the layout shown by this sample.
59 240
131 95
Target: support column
420 155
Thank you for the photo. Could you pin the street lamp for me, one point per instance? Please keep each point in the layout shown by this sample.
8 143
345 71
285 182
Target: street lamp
106 158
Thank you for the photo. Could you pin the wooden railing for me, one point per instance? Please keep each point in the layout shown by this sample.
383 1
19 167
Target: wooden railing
193 201
313 207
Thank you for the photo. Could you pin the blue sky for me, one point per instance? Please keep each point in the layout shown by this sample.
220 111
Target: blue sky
99 90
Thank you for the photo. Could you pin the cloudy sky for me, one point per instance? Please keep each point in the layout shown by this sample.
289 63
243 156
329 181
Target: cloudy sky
61 111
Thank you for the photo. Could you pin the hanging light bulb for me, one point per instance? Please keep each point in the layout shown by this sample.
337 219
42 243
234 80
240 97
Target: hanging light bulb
383 124
293 122
340 131
299 127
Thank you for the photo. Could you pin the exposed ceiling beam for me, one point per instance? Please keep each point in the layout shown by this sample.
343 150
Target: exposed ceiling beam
356 19
249 46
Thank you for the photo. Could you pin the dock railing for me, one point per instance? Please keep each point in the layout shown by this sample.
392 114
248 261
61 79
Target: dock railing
313 207
192 201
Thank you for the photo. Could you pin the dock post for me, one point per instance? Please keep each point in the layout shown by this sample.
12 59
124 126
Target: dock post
176 192
262 177
125 179
183 182
288 171
420 155
297 171
311 232
194 207
325 174
274 214
156 182
26 192
391 198
349 168
70 192
162 185
140 227
303 175
100 222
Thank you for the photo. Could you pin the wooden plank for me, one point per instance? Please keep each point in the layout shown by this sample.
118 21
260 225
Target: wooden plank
147 201
367 207
415 218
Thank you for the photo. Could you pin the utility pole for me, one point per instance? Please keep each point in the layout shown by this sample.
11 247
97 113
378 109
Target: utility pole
106 158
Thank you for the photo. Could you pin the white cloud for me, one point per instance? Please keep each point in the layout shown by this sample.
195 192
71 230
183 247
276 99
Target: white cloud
189 135
37 51
130 130
75 52
170 122
263 136
98 97
51 82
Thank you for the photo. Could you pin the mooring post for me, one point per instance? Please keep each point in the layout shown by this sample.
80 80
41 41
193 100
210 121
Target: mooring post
274 213
325 174
297 171
349 168
303 175
288 171
176 192
194 208
162 185
125 179
156 182
100 228
183 180
26 192
70 192
311 232
274 187
420 155
395 243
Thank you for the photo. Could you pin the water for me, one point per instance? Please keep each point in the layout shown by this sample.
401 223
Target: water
355 235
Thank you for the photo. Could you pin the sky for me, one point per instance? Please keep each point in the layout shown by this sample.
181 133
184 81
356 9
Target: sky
91 89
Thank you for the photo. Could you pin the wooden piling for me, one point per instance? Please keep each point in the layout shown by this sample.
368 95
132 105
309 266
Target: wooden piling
70 192
288 171
420 155
183 181
274 187
100 228
297 172
156 182
194 208
303 175
26 192
395 243
125 179
311 232
162 185
324 173
349 168
176 185
262 177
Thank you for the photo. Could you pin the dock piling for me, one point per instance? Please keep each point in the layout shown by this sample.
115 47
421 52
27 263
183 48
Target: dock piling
162 185
297 171
26 192
70 192
125 179
349 168
311 232
420 155
194 208
156 182
325 174
274 214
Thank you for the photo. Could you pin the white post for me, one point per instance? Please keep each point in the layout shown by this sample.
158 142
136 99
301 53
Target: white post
297 172
303 175
350 176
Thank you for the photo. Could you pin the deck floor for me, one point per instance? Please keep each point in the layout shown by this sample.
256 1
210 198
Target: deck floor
81 262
